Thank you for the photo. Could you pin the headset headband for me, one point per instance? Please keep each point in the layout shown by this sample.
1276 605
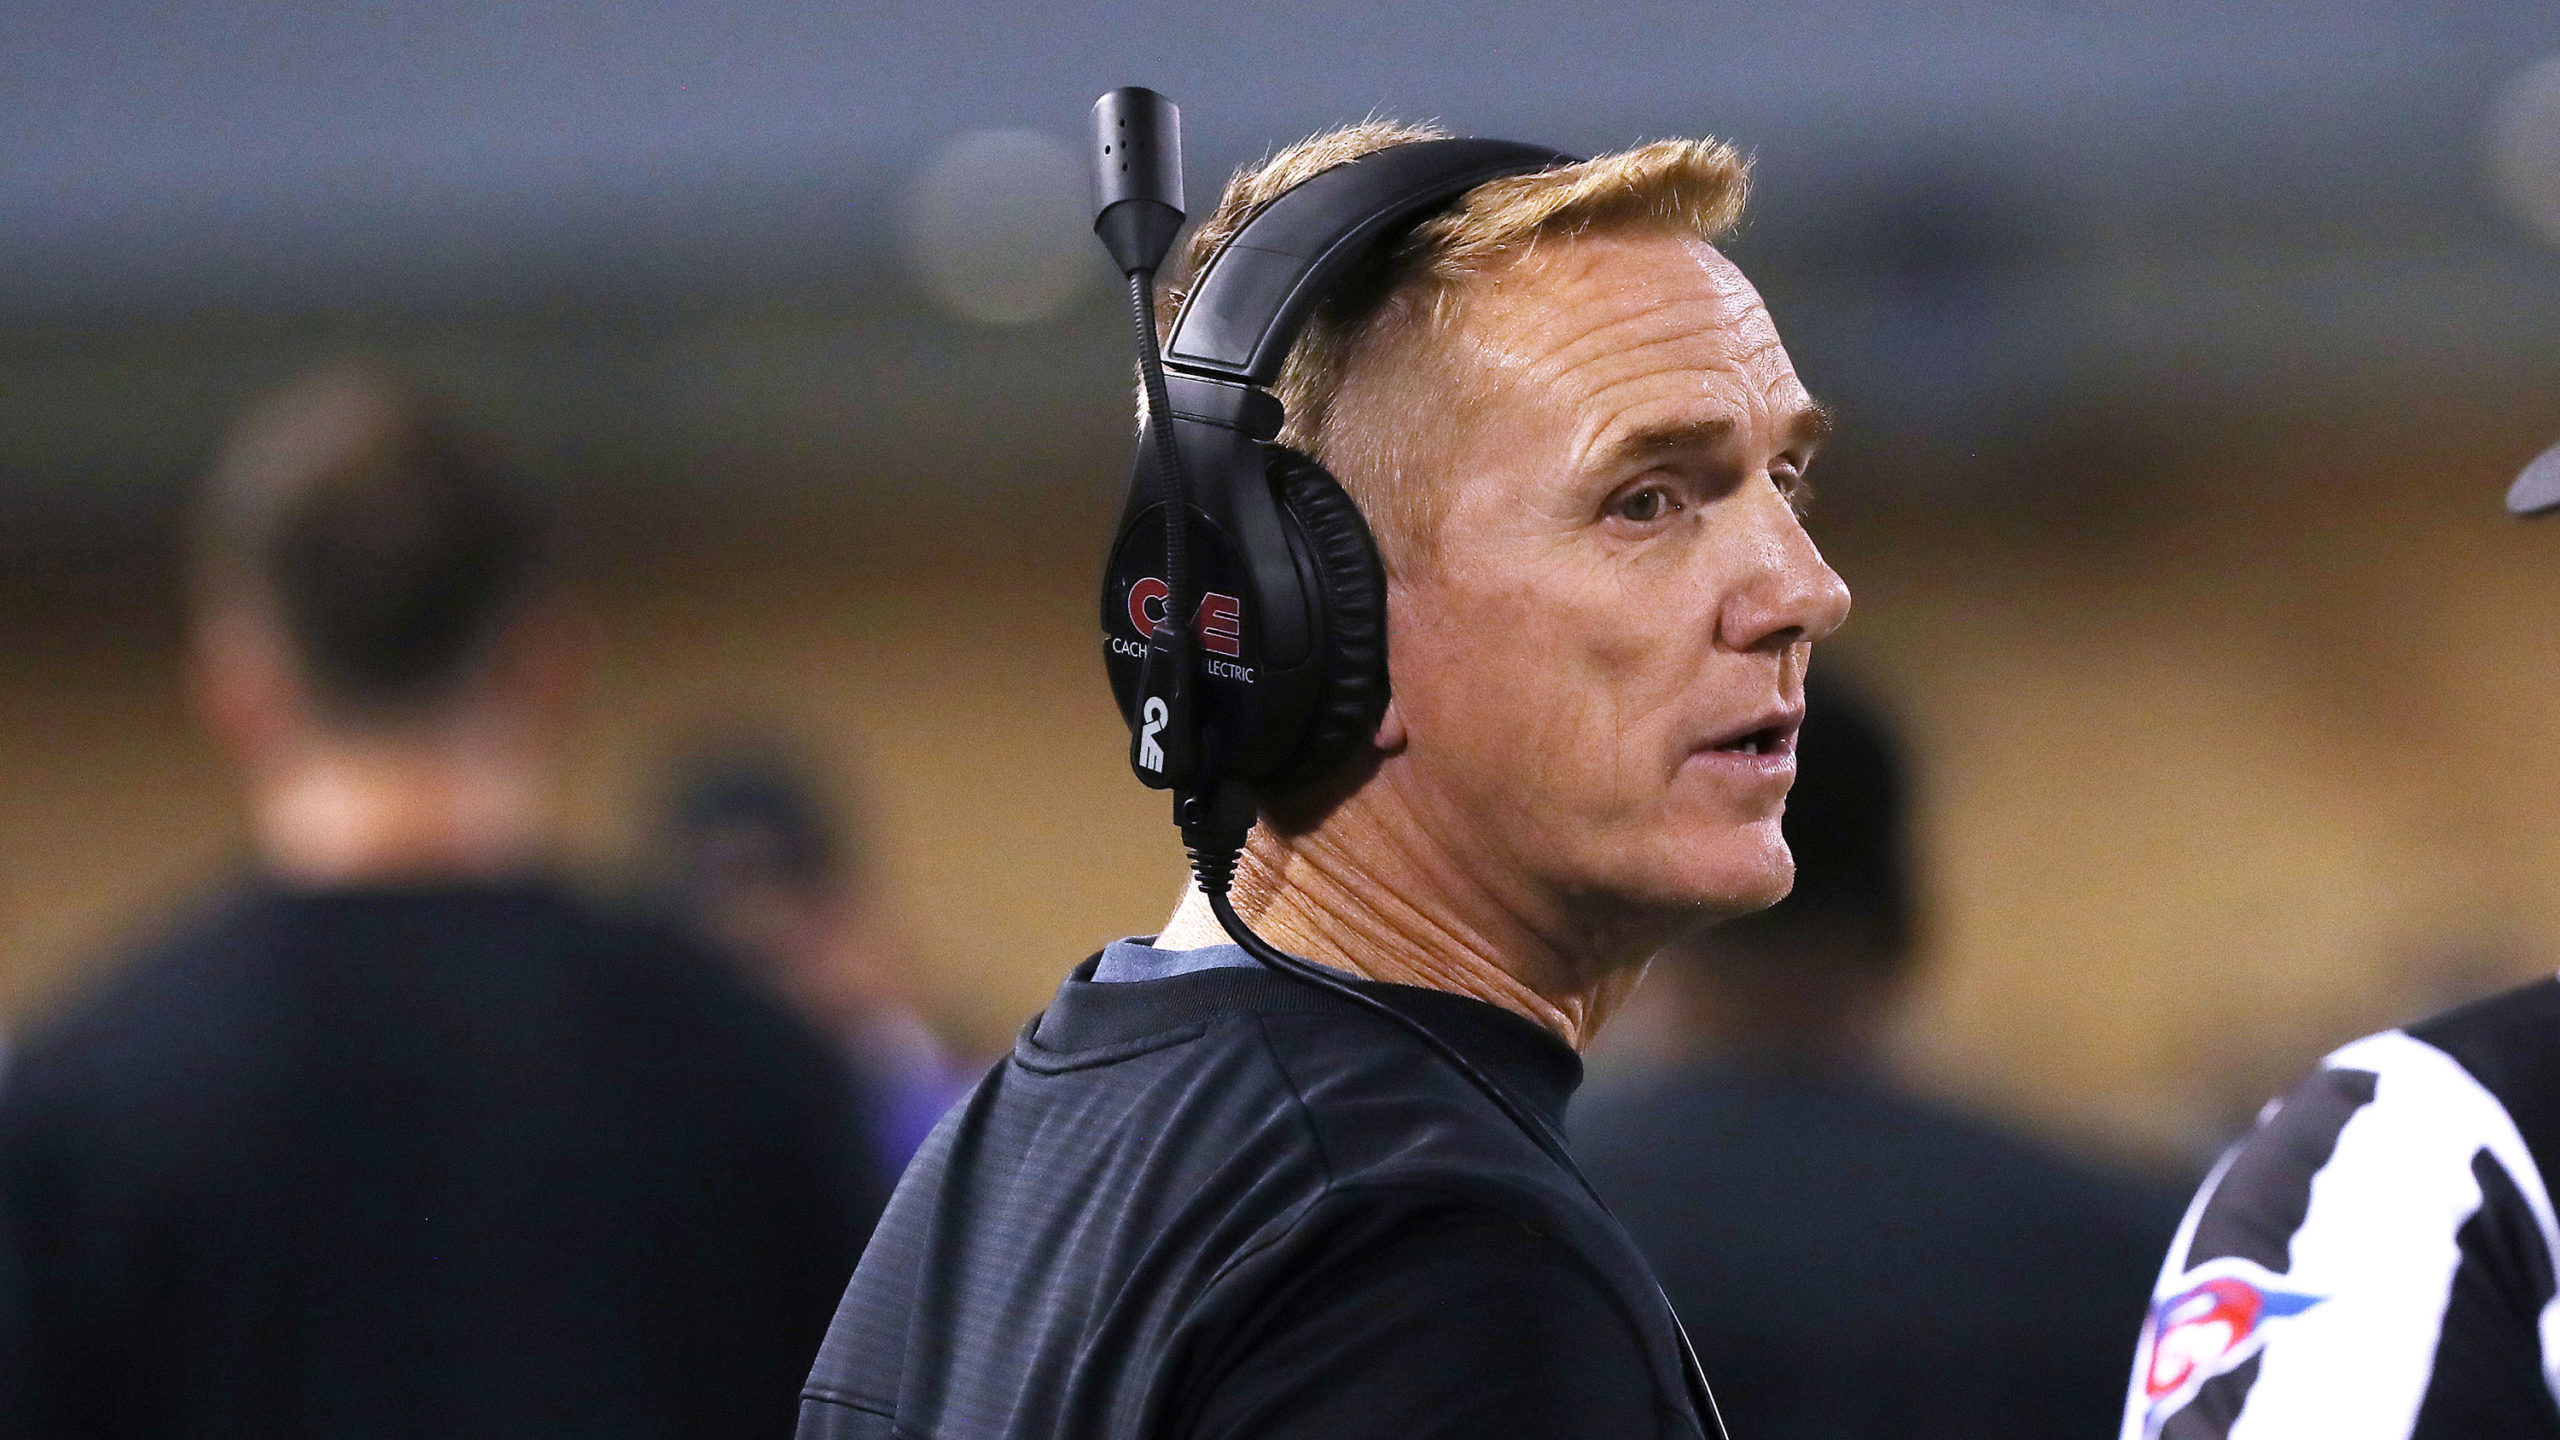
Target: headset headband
1262 285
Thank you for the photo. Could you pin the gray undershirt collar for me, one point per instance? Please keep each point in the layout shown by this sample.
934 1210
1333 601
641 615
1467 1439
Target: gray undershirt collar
1135 959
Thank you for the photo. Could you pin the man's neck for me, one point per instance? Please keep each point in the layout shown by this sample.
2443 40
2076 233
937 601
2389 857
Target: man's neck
369 812
1372 899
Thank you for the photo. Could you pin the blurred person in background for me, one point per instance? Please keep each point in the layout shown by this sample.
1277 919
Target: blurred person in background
761 869
395 1137
1911 1273
2375 1260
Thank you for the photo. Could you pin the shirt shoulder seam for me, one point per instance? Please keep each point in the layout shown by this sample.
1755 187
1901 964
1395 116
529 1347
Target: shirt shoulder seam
1297 1098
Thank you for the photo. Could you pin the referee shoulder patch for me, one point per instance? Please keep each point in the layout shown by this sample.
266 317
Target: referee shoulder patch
2308 1289
2200 1346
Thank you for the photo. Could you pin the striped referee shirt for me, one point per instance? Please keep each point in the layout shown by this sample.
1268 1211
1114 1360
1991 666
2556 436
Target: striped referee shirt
2374 1262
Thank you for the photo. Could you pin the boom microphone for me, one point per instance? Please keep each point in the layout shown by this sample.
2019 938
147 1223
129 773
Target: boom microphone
1137 201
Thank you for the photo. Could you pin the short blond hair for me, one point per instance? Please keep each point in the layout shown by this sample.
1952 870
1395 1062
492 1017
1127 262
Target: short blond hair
1412 289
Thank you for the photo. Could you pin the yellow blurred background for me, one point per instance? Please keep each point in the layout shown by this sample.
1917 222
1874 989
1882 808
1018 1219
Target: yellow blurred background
2243 759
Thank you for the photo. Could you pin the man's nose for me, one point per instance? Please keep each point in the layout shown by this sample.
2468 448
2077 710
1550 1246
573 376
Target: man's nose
1789 595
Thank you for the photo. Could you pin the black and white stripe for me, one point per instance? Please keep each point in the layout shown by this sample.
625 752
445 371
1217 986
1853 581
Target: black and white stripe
2375 1260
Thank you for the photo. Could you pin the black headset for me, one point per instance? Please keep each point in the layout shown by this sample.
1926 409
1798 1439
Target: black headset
1244 608
1273 672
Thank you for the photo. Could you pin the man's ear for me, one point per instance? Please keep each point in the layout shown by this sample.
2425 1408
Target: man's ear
241 687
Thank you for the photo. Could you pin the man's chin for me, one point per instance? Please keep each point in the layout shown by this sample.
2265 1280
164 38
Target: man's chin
1739 877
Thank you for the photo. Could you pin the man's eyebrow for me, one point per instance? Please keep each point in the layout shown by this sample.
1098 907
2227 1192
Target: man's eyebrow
1810 426
1655 441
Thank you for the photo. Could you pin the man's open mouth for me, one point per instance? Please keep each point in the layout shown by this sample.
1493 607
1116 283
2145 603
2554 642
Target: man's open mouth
1767 740
1771 735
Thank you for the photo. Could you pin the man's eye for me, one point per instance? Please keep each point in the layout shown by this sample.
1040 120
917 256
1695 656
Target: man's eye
1645 505
1797 490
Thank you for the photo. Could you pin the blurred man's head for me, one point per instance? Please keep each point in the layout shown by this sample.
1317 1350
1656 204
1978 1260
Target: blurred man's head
1813 976
1569 420
771 868
755 861
371 639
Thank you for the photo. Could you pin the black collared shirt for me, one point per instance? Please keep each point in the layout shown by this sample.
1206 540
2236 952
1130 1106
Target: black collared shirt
1226 1204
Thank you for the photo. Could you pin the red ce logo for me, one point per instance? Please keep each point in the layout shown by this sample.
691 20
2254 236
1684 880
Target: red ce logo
1218 624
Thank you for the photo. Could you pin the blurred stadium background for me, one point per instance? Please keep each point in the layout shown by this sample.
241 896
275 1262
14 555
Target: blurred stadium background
2182 350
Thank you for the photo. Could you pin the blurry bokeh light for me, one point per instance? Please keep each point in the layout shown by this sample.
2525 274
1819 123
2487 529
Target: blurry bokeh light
996 229
2524 148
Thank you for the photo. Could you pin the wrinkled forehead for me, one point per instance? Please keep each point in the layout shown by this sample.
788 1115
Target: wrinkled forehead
1588 313
1506 384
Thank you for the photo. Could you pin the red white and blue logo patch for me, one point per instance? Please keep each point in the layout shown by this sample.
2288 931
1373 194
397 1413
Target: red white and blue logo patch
2214 1320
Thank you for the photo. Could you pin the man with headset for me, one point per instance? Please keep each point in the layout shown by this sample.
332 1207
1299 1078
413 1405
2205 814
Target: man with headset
1202 1198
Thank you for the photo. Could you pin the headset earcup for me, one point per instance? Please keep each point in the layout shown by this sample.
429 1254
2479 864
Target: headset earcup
1351 585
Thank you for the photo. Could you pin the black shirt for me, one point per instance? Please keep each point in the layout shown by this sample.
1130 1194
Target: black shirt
1856 1263
1225 1204
2374 1261
433 1162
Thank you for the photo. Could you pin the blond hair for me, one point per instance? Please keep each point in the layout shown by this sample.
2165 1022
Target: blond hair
1413 289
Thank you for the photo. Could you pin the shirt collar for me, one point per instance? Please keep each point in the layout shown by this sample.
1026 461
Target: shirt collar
1527 1059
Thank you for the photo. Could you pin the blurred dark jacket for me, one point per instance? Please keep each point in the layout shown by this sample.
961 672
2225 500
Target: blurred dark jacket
445 1161
1853 1263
